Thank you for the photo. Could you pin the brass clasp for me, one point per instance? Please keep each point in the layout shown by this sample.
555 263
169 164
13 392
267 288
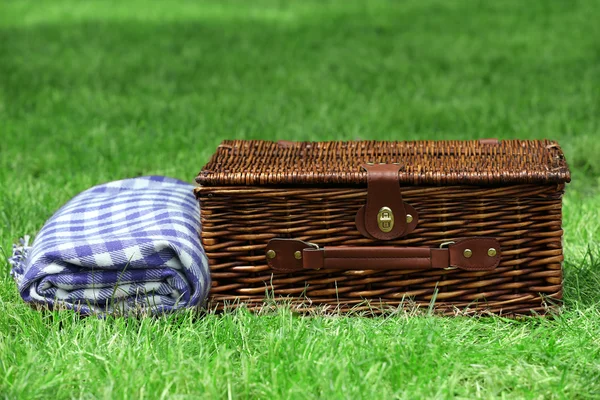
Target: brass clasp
385 219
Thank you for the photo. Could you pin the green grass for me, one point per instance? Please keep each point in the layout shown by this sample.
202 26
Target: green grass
95 91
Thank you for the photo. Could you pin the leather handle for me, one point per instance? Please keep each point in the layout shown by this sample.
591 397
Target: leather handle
470 254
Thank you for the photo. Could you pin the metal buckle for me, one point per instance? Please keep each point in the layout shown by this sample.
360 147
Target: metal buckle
445 245
314 245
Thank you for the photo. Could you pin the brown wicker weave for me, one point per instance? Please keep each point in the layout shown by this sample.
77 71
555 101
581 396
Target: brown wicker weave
255 191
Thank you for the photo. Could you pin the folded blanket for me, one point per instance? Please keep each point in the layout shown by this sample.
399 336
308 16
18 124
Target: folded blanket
125 246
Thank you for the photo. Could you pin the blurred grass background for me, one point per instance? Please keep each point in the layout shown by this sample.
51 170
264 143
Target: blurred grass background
95 91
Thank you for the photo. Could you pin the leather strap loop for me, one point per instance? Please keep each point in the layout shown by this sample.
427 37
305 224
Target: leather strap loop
383 191
471 254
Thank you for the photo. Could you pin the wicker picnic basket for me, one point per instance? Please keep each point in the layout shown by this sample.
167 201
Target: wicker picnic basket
459 227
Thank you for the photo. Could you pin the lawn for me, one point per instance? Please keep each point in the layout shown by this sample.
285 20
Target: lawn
97 91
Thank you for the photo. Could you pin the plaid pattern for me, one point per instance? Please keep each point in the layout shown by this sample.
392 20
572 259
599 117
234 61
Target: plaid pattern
122 246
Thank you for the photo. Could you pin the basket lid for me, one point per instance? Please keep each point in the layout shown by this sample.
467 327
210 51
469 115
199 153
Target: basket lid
474 162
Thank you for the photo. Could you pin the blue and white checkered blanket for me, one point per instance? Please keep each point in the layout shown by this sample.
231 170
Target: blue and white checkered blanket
125 246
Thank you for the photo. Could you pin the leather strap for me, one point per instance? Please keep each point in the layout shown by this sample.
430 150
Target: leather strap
470 254
383 191
489 142
286 143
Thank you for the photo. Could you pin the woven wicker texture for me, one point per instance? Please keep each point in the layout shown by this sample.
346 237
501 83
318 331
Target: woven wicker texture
423 162
238 221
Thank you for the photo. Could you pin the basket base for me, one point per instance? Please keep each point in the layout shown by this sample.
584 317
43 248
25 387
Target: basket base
305 306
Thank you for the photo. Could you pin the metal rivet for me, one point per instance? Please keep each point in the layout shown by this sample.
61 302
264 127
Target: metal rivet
298 255
409 218
492 252
467 253
271 254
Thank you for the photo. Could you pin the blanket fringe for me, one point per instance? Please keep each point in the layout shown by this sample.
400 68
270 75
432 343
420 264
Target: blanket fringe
18 260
